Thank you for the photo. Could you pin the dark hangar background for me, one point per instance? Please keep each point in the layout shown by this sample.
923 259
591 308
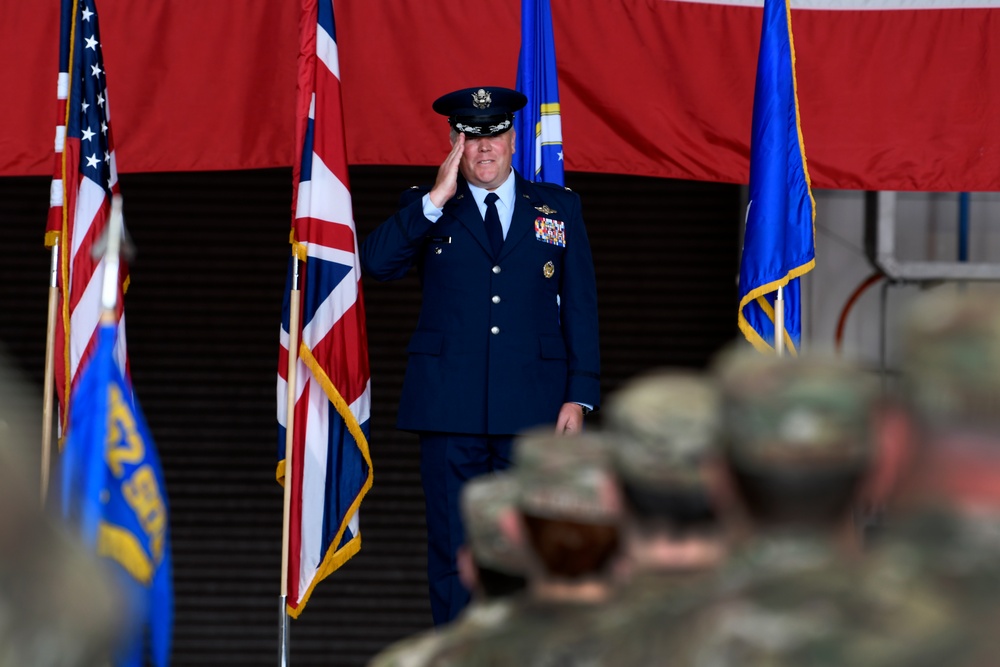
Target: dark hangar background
202 318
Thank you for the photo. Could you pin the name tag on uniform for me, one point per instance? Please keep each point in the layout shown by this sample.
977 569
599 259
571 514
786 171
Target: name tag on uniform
551 231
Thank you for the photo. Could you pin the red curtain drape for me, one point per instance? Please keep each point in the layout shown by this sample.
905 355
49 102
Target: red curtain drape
889 99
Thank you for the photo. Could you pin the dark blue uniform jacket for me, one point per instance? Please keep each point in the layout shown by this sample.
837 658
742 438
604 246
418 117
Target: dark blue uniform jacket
494 352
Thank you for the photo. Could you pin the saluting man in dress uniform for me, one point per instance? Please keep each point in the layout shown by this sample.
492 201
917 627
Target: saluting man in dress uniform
507 336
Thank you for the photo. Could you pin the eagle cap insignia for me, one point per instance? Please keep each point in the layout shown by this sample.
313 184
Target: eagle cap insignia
481 99
544 208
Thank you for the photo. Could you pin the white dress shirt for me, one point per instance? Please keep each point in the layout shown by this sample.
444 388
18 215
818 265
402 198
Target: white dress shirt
505 205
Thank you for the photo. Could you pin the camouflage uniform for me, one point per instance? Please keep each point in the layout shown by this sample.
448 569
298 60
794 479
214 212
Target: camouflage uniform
480 618
666 426
951 386
791 597
563 478
484 501
795 600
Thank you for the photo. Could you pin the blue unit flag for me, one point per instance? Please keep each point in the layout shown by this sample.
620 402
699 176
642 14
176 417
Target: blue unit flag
779 245
113 492
539 150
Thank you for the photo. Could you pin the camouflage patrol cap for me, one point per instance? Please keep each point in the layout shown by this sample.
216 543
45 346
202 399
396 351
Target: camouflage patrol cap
795 414
485 501
669 426
566 477
951 356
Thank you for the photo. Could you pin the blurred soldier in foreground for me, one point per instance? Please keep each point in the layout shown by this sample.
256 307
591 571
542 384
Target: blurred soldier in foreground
57 607
491 565
950 496
798 593
666 429
569 510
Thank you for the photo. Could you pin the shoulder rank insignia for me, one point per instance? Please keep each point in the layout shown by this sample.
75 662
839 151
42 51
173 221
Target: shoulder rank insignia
548 270
544 208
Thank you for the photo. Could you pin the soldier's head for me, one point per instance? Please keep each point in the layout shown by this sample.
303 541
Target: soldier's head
950 386
569 504
798 436
665 427
489 506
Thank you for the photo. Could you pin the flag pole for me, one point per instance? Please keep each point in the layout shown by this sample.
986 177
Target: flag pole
49 385
293 356
779 322
112 260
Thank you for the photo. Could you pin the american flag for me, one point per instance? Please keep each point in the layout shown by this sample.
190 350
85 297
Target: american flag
85 177
331 466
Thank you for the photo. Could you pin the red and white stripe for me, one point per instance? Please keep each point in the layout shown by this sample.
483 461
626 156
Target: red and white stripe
78 215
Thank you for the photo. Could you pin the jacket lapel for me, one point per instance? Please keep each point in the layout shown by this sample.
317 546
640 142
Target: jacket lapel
463 207
523 221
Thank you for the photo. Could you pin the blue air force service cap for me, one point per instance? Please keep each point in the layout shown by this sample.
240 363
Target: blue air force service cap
481 112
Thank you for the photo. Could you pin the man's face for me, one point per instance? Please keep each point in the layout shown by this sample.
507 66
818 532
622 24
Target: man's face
486 160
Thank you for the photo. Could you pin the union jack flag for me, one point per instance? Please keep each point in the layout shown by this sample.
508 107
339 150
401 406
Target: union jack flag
84 180
331 466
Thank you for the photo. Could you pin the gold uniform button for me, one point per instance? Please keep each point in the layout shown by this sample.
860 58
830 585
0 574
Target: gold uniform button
495 330
496 269
496 299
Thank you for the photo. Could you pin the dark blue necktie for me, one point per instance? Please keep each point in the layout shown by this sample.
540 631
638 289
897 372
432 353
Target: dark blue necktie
494 231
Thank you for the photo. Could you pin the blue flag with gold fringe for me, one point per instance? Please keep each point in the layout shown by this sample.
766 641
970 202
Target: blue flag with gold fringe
539 150
779 244
113 493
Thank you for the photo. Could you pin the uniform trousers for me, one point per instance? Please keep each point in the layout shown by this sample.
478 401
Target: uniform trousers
447 461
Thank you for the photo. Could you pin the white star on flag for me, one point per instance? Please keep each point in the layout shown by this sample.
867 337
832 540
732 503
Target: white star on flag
92 161
87 14
91 43
87 134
